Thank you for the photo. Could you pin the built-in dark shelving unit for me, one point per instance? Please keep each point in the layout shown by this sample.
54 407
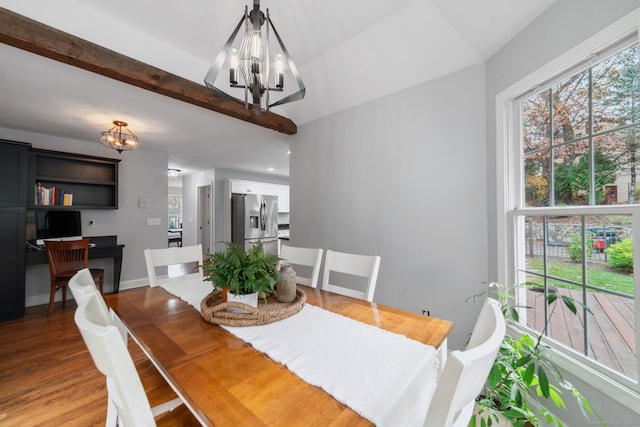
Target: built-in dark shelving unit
93 181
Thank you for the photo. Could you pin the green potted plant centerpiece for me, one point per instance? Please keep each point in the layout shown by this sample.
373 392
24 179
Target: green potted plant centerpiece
247 275
524 378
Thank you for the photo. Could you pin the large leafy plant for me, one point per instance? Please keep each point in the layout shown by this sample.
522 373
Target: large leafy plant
522 381
243 272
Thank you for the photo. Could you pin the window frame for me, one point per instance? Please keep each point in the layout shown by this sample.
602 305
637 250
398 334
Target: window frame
510 201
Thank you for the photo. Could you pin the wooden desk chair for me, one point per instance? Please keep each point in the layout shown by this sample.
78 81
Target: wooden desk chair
306 257
356 265
66 258
173 256
466 372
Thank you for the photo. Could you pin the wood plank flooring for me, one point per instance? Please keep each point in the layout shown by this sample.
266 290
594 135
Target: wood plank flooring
47 376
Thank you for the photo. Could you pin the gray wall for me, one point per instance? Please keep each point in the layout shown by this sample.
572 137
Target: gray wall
141 173
402 177
564 25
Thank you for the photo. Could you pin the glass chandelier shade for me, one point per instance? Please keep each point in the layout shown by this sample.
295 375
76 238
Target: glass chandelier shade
118 139
250 63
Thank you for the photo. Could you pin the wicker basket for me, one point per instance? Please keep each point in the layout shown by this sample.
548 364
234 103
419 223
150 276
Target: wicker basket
214 310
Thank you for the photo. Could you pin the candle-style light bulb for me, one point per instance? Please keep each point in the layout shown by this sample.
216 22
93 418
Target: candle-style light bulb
279 71
233 67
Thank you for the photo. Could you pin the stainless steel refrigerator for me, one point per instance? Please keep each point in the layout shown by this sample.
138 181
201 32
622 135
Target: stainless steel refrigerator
255 217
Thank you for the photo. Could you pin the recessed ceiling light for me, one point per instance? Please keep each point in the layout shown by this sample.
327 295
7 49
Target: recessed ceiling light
270 169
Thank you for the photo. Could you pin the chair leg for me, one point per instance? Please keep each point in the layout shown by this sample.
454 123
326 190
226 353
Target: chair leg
52 297
98 277
64 296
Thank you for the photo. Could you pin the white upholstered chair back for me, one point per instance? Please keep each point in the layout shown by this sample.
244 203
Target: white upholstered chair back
306 257
357 265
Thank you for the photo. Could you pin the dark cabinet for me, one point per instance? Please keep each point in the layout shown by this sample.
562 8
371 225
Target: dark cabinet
92 181
13 201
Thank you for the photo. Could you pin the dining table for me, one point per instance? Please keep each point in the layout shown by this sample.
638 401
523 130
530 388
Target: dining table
226 381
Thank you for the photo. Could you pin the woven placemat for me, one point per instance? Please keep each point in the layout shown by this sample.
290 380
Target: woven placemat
214 310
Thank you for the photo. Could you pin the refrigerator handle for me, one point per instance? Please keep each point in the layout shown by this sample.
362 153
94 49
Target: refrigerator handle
263 218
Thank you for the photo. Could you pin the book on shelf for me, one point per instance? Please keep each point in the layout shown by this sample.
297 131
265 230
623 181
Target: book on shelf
51 196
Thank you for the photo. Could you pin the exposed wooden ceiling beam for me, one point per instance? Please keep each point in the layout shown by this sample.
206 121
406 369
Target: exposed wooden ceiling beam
24 33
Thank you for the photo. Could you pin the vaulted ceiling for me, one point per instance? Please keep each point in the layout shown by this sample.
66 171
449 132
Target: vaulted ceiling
348 53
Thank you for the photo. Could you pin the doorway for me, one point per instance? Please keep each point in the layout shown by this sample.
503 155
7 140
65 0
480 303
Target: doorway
204 218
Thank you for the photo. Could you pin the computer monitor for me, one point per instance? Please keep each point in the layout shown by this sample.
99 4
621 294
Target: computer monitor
58 224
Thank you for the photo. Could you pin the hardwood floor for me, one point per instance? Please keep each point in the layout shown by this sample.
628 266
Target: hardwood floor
47 376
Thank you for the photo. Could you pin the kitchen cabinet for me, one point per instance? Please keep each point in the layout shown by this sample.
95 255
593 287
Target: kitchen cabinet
247 187
13 212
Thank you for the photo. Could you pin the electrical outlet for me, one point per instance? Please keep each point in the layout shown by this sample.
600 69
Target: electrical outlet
154 221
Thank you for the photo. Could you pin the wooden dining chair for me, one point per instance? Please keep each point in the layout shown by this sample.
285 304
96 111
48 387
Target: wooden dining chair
127 400
305 257
65 259
172 256
466 372
356 265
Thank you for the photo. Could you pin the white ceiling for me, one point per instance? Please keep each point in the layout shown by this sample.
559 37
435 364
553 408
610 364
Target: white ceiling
348 52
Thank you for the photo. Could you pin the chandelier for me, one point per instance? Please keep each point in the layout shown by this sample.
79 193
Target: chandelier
118 139
251 66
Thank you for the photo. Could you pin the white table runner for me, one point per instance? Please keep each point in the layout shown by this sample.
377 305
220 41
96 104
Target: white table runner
385 377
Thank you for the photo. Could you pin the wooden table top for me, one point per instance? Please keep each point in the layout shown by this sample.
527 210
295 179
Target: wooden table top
228 383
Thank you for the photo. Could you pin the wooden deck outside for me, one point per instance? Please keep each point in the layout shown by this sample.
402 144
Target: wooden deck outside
610 326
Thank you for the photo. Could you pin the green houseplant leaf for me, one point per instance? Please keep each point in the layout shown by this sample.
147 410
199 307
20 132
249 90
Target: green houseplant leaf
522 379
243 272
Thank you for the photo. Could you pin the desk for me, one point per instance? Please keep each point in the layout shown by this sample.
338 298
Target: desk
225 381
105 247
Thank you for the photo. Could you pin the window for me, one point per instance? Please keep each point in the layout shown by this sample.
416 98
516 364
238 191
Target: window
570 213
175 212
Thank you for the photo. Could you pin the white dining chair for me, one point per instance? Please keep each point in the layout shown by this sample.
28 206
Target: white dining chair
128 404
356 265
466 372
82 287
172 256
306 257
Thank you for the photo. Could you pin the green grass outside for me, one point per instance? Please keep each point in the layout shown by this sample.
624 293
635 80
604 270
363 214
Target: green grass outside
602 277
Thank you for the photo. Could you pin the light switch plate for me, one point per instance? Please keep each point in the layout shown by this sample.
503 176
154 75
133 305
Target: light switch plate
154 221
